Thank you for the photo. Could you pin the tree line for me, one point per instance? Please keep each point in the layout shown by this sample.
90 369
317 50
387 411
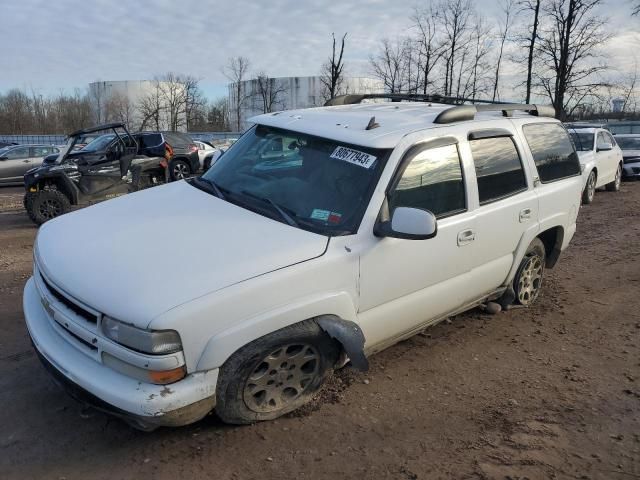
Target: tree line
552 50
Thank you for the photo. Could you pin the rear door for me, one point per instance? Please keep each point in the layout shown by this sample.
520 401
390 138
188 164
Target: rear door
14 164
508 206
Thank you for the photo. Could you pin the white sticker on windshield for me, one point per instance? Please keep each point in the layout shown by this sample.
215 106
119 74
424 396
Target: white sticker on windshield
353 156
318 214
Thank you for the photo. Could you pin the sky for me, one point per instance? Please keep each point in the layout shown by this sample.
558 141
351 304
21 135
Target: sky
53 45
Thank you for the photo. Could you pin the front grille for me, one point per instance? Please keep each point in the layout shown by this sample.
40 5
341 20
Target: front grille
74 307
636 169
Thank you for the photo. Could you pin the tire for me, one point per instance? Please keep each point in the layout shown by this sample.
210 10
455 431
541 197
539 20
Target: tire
615 185
45 205
275 374
528 280
178 170
590 188
26 201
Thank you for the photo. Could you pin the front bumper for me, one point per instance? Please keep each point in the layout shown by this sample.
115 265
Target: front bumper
144 405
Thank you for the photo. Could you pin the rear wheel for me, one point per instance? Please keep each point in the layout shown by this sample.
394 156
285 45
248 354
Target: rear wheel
590 189
179 169
615 185
528 280
45 205
275 374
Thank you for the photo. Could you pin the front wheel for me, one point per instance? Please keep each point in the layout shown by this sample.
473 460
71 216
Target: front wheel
615 185
275 374
589 189
44 205
528 280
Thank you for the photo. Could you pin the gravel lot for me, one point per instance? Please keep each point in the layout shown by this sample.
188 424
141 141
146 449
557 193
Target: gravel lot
547 392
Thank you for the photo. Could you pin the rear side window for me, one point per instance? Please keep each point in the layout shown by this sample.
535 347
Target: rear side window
41 151
432 181
552 151
150 140
498 168
175 138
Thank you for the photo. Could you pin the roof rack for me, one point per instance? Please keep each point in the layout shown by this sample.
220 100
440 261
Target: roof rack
457 113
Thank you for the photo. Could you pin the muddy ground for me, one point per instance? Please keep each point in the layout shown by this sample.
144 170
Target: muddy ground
547 392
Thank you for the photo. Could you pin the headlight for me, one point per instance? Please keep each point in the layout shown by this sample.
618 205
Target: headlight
146 341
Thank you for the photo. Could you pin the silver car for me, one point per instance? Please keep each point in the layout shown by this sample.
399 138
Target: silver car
15 160
630 145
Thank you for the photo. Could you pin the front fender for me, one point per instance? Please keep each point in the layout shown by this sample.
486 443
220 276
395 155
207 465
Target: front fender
223 345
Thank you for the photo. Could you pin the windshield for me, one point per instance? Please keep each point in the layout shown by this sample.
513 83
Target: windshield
582 140
99 143
313 183
628 143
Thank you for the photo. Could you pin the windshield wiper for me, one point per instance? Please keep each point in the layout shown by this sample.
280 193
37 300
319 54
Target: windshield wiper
216 190
288 218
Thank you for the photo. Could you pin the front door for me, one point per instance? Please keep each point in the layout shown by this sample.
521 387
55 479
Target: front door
14 164
405 284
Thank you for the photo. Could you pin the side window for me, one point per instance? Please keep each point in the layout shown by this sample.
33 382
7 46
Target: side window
610 139
602 138
498 168
432 181
552 151
17 153
41 151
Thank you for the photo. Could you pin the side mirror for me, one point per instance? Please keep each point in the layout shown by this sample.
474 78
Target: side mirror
409 224
603 147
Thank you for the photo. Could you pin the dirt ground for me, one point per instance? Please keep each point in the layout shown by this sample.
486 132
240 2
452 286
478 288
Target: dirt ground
547 392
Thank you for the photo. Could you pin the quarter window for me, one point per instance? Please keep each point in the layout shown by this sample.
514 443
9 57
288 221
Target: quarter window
552 151
498 168
432 181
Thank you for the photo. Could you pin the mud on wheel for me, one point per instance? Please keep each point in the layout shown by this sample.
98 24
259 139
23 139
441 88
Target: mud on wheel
275 374
528 280
46 204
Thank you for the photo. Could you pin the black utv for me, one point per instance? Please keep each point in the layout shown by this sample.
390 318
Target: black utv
109 166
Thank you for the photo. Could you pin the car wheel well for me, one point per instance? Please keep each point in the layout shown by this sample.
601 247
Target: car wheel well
56 185
552 241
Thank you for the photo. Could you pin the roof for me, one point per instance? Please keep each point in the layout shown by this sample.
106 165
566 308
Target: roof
347 123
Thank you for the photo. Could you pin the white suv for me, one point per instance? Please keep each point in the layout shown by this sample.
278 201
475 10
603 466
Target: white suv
379 220
600 160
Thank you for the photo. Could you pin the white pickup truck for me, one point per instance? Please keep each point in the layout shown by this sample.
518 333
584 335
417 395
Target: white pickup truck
379 220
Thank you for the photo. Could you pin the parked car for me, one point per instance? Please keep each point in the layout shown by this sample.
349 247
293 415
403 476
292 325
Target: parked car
17 159
184 152
600 159
630 145
624 127
108 167
414 213
204 149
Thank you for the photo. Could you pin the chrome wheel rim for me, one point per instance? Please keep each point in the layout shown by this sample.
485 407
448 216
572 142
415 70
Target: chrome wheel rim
591 186
281 377
50 208
530 280
180 171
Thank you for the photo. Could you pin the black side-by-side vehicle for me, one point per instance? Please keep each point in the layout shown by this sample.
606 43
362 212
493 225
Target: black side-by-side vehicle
111 165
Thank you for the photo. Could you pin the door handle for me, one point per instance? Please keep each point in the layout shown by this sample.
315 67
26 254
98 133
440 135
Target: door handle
465 237
26 161
525 215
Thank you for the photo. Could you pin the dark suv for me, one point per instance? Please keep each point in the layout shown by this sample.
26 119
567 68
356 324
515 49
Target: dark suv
184 159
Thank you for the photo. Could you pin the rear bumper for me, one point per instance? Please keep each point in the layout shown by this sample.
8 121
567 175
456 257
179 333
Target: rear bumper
142 404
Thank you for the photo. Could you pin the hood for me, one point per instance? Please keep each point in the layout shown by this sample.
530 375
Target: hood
137 256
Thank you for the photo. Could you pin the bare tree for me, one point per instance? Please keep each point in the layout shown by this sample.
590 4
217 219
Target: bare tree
389 65
481 41
236 71
430 46
331 76
507 10
455 20
269 92
150 107
568 53
119 108
635 10
532 6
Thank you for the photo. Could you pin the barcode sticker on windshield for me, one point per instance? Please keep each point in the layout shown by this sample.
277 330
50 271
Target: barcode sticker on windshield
353 156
